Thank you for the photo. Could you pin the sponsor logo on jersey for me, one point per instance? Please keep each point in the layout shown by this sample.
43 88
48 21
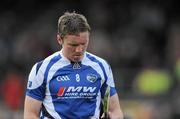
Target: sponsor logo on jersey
61 91
76 92
76 65
62 78
91 77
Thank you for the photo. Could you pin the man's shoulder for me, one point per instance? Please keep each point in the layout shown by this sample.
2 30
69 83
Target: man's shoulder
44 62
95 58
54 56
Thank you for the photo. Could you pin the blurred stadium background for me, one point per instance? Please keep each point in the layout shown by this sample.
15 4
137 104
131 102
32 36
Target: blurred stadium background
140 39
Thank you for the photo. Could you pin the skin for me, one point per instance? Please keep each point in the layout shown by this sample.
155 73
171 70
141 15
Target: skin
31 108
73 48
114 108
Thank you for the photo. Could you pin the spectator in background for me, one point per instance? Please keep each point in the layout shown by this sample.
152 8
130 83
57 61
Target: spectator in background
13 90
153 80
174 61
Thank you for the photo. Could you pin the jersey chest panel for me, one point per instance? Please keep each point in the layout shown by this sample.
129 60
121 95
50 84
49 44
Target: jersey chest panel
69 83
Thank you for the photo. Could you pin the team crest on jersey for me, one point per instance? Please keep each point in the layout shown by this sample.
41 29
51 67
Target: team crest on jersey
91 77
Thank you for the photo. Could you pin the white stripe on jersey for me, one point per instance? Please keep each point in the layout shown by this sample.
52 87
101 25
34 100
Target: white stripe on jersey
40 73
48 99
110 80
98 69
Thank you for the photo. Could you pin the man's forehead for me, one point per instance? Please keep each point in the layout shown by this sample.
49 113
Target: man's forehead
79 36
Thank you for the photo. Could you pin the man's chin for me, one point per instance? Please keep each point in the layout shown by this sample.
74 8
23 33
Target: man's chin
77 58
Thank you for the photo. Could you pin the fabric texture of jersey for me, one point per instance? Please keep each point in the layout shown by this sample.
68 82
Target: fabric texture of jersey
70 90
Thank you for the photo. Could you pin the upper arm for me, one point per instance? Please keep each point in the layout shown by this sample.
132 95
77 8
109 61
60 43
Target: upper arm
34 94
31 108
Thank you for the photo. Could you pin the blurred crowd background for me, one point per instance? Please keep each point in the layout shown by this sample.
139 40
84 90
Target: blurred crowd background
139 38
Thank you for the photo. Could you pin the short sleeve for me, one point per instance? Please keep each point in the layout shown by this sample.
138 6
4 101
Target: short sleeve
108 82
36 85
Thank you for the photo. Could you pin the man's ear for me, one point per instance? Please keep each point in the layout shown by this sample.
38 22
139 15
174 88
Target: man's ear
59 39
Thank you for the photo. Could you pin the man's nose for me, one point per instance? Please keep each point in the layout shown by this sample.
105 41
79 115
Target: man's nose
79 48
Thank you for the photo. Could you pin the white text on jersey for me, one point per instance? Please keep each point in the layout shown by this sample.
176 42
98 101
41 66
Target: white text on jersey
62 78
80 88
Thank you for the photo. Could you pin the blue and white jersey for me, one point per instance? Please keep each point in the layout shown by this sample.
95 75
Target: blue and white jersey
70 90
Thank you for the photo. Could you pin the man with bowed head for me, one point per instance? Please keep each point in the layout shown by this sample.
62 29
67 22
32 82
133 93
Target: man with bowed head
71 83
